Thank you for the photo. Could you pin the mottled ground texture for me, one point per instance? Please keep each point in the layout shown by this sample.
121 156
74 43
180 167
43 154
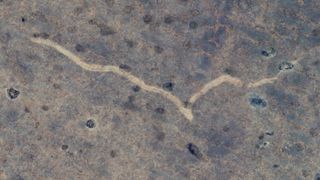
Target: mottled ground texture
60 121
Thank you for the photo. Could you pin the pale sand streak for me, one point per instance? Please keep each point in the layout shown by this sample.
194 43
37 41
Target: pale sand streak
186 111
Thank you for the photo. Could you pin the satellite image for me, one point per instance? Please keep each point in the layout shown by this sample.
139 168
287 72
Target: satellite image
159 89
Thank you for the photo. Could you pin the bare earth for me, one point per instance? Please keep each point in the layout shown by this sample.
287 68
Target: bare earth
160 89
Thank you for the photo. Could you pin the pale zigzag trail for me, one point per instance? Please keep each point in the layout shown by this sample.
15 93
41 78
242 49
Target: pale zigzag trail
184 109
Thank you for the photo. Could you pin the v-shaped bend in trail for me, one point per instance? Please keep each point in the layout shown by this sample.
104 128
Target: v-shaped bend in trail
185 110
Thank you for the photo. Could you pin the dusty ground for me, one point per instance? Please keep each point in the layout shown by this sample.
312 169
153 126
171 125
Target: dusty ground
247 70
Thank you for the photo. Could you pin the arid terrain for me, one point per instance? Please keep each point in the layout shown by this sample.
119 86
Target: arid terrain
160 89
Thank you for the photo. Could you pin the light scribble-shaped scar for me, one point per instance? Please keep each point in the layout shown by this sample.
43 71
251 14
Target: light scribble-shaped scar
184 108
